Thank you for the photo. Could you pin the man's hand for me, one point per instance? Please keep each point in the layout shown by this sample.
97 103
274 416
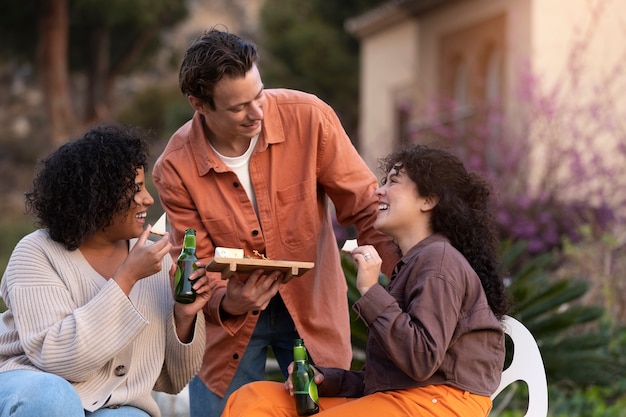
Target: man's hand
254 293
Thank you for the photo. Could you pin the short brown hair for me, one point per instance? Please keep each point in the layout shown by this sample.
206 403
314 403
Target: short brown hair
213 55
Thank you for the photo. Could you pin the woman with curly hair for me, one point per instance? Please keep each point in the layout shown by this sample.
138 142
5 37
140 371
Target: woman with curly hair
435 343
92 327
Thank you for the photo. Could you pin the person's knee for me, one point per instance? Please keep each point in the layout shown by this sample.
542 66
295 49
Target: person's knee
59 387
48 393
262 391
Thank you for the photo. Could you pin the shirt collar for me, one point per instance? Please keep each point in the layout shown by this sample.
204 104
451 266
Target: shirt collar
272 132
416 249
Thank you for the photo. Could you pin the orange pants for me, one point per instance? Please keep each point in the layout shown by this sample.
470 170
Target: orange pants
265 398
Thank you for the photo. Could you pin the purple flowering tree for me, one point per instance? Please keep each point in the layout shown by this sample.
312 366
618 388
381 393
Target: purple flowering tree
559 162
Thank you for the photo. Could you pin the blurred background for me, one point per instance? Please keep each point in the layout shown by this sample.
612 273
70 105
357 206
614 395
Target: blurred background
530 93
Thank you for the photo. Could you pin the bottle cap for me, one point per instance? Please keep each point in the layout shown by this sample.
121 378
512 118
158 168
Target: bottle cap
190 239
299 351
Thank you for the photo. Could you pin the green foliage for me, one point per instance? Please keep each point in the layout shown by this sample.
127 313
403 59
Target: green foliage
143 13
125 20
159 109
130 27
304 46
582 352
567 331
599 256
594 401
18 34
21 152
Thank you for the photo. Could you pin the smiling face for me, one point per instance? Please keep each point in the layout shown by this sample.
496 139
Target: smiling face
402 212
130 223
238 112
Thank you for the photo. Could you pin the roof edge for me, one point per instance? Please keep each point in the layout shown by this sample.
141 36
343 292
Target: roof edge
388 13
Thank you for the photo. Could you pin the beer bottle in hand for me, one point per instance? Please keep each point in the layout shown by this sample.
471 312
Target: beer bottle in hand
304 388
186 264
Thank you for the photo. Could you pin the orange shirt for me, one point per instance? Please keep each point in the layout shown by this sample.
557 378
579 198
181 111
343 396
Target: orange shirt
302 158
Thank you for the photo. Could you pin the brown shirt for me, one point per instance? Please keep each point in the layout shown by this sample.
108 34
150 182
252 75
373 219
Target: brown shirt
432 325
303 157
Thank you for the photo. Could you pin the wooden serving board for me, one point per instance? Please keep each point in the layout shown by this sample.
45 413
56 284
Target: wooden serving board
227 266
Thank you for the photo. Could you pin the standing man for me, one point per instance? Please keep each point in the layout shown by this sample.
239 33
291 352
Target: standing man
256 169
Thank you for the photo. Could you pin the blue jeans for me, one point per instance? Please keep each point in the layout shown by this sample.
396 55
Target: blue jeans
26 393
123 411
275 328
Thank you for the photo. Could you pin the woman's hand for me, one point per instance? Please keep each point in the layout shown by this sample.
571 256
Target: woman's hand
142 261
318 378
185 314
368 264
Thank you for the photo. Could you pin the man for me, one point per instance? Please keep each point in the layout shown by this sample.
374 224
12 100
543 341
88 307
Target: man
256 169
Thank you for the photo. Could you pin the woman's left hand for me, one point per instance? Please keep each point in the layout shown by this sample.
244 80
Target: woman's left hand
185 314
318 378
368 264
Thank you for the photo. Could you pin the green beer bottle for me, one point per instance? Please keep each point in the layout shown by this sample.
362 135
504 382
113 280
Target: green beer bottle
304 388
185 265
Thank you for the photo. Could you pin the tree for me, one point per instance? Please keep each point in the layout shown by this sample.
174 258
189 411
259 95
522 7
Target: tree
52 57
101 40
304 46
113 38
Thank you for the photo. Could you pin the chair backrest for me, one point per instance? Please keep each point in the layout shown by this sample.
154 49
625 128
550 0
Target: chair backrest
526 366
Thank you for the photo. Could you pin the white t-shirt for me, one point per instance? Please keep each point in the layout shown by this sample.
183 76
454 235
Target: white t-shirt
241 166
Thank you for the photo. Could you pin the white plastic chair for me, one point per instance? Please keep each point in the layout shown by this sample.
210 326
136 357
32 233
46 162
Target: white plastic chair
526 366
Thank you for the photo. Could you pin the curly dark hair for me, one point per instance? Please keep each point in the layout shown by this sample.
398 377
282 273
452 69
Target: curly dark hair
213 55
80 187
464 213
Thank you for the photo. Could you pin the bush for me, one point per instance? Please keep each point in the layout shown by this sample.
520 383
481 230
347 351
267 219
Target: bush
159 109
543 221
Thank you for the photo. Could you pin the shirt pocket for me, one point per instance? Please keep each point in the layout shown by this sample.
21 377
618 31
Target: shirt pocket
298 214
223 232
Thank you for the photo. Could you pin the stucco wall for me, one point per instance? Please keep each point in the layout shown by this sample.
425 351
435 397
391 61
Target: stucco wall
588 90
389 69
403 58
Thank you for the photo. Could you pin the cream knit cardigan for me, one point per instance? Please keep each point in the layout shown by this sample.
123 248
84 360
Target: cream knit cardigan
65 318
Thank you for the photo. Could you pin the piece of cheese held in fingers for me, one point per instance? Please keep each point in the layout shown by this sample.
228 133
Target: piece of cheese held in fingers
349 245
160 227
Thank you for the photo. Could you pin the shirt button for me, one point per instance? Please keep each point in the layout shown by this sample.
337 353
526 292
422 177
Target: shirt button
434 400
235 184
255 313
255 232
236 356
120 370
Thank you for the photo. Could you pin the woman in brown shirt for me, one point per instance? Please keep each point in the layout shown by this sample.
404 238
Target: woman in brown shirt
435 343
